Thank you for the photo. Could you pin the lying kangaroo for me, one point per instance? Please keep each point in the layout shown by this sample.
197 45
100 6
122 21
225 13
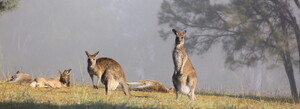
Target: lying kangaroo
54 82
20 78
184 77
108 70
150 86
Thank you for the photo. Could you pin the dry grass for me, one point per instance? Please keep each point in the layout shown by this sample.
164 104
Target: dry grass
84 96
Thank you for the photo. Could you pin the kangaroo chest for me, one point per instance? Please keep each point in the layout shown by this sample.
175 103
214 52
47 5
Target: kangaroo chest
177 54
178 58
92 70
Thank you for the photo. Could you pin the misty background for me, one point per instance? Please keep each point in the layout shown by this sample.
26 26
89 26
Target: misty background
40 37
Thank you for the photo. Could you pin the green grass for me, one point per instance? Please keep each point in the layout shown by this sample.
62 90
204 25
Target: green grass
85 97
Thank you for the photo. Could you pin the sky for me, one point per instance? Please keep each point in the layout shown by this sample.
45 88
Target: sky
40 37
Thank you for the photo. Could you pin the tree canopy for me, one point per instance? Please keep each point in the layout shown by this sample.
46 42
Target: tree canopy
250 31
7 5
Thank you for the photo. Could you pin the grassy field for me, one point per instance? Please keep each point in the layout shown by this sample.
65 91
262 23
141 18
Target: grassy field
85 97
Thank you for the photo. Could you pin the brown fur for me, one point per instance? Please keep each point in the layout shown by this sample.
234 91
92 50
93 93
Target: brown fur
54 82
55 77
184 77
20 78
150 86
108 71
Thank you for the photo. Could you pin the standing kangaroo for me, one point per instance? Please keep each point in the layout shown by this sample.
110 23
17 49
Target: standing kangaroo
184 77
108 71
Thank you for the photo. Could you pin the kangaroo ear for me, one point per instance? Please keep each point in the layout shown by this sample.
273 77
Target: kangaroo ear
59 72
96 53
183 33
87 53
69 70
175 32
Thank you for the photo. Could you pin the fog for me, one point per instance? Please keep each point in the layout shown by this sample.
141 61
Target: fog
40 37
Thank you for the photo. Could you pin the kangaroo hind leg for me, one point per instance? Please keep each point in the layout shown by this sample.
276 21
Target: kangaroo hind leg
191 94
107 88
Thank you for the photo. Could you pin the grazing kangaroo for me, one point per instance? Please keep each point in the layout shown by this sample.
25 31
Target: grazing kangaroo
184 77
63 81
108 71
150 86
20 78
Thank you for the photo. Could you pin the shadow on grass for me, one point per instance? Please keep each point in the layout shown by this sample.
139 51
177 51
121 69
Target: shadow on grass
96 105
253 97
139 96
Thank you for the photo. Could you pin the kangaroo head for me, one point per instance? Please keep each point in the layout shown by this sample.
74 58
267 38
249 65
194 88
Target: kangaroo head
91 58
65 77
179 37
14 77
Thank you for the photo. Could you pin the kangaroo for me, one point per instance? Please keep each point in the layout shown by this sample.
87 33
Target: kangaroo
150 86
63 81
108 71
20 78
184 77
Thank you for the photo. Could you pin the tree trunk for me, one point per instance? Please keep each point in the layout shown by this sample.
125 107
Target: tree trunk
286 56
290 73
296 29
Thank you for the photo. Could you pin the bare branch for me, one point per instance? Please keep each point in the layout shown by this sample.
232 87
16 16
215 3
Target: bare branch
297 3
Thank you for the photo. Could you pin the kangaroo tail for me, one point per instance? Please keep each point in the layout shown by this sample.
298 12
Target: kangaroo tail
125 87
134 83
124 84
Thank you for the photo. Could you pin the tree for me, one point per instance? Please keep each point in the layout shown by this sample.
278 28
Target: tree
7 5
250 31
